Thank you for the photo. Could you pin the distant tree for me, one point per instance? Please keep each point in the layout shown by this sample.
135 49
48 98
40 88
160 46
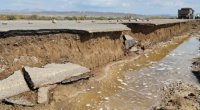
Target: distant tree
111 18
127 17
11 17
101 18
82 18
33 17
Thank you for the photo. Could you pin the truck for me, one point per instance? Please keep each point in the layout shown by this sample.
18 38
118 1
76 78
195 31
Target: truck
197 16
186 13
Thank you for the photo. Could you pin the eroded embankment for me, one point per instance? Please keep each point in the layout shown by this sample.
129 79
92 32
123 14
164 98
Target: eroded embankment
37 50
90 50
150 35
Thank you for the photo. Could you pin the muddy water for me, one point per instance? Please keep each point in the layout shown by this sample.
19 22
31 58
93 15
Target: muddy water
135 84
143 87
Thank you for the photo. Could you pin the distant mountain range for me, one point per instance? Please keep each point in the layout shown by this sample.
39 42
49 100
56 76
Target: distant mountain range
69 13
79 13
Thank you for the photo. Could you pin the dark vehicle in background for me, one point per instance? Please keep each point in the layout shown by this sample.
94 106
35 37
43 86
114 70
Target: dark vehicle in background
186 13
197 16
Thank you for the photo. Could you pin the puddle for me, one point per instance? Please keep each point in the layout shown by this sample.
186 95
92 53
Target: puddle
144 86
139 87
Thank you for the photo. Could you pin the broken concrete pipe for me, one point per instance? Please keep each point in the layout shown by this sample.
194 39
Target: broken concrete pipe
32 78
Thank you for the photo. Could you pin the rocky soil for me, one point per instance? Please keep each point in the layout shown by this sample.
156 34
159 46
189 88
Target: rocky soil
196 66
180 96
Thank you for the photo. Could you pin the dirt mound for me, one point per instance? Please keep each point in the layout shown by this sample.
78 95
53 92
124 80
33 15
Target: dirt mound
180 96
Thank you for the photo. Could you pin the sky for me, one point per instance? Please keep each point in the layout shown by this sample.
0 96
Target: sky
145 7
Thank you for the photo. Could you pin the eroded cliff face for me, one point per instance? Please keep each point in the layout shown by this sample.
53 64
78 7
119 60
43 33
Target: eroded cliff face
149 35
90 50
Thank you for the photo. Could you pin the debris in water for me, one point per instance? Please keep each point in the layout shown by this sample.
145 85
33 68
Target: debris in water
161 64
149 93
106 98
124 83
120 87
149 97
152 67
169 68
138 65
179 54
87 105
120 80
148 74
161 69
144 84
99 92
172 54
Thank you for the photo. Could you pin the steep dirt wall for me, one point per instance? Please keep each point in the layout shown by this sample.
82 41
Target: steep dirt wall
149 35
90 50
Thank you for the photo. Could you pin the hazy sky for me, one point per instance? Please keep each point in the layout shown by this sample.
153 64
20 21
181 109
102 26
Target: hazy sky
129 6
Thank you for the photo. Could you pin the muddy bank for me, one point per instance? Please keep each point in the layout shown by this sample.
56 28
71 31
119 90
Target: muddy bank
180 96
196 67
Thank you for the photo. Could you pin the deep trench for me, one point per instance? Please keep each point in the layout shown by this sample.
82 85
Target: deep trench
90 50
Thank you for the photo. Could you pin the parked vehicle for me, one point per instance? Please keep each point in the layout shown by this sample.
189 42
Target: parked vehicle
186 13
197 16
